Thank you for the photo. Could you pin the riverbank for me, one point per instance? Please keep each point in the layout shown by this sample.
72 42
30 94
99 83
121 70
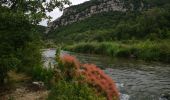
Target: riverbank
144 50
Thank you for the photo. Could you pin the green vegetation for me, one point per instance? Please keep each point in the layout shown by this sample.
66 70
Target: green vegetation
146 50
73 91
20 52
111 26
134 34
137 5
20 36
19 43
69 83
109 33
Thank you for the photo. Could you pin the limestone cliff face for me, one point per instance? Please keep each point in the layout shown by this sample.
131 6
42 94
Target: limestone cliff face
87 9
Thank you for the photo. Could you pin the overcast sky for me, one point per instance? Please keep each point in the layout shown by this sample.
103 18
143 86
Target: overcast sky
56 13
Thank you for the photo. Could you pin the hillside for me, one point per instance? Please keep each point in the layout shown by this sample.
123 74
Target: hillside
151 22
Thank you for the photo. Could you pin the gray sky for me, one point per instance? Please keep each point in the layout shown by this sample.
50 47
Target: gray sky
56 13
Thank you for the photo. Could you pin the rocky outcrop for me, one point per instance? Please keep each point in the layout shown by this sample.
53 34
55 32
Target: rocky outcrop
87 9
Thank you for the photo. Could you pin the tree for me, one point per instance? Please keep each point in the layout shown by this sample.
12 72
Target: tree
34 9
19 40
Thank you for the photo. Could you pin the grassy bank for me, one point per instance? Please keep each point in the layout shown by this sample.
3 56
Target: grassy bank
145 50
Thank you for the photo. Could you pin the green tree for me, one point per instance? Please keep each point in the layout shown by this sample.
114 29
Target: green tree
19 38
34 9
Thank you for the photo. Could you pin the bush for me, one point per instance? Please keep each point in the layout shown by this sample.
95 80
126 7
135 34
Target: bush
73 91
45 75
97 78
68 65
81 81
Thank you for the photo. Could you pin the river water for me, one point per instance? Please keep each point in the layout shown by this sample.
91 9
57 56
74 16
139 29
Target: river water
136 80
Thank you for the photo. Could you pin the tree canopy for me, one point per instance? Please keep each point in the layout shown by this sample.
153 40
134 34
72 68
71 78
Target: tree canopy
35 10
20 41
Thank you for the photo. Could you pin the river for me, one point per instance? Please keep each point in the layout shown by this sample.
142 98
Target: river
136 80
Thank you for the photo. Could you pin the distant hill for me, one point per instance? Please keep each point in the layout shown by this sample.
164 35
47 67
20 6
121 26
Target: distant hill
109 20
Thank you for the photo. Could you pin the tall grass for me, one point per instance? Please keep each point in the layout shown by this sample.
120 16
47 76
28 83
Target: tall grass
145 50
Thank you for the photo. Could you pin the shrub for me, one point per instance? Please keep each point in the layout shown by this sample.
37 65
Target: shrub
73 91
45 75
73 72
96 77
68 65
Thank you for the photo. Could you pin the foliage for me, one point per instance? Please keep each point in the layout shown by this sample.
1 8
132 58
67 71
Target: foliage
148 50
152 23
35 10
68 65
67 86
98 78
20 35
72 72
73 91
45 75
20 43
150 26
11 40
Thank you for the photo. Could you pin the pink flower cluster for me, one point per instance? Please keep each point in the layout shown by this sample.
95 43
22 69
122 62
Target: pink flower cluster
97 77
70 60
94 76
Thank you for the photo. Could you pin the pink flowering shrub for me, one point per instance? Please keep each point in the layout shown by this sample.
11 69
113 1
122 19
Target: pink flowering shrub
93 76
68 65
68 59
98 78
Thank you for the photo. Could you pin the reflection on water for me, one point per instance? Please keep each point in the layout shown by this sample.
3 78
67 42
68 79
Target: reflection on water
49 53
48 57
136 80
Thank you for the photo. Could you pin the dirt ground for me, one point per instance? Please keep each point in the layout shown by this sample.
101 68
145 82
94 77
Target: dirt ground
24 94
20 87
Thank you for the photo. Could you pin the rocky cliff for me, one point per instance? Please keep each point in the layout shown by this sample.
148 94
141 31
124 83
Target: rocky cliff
79 12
